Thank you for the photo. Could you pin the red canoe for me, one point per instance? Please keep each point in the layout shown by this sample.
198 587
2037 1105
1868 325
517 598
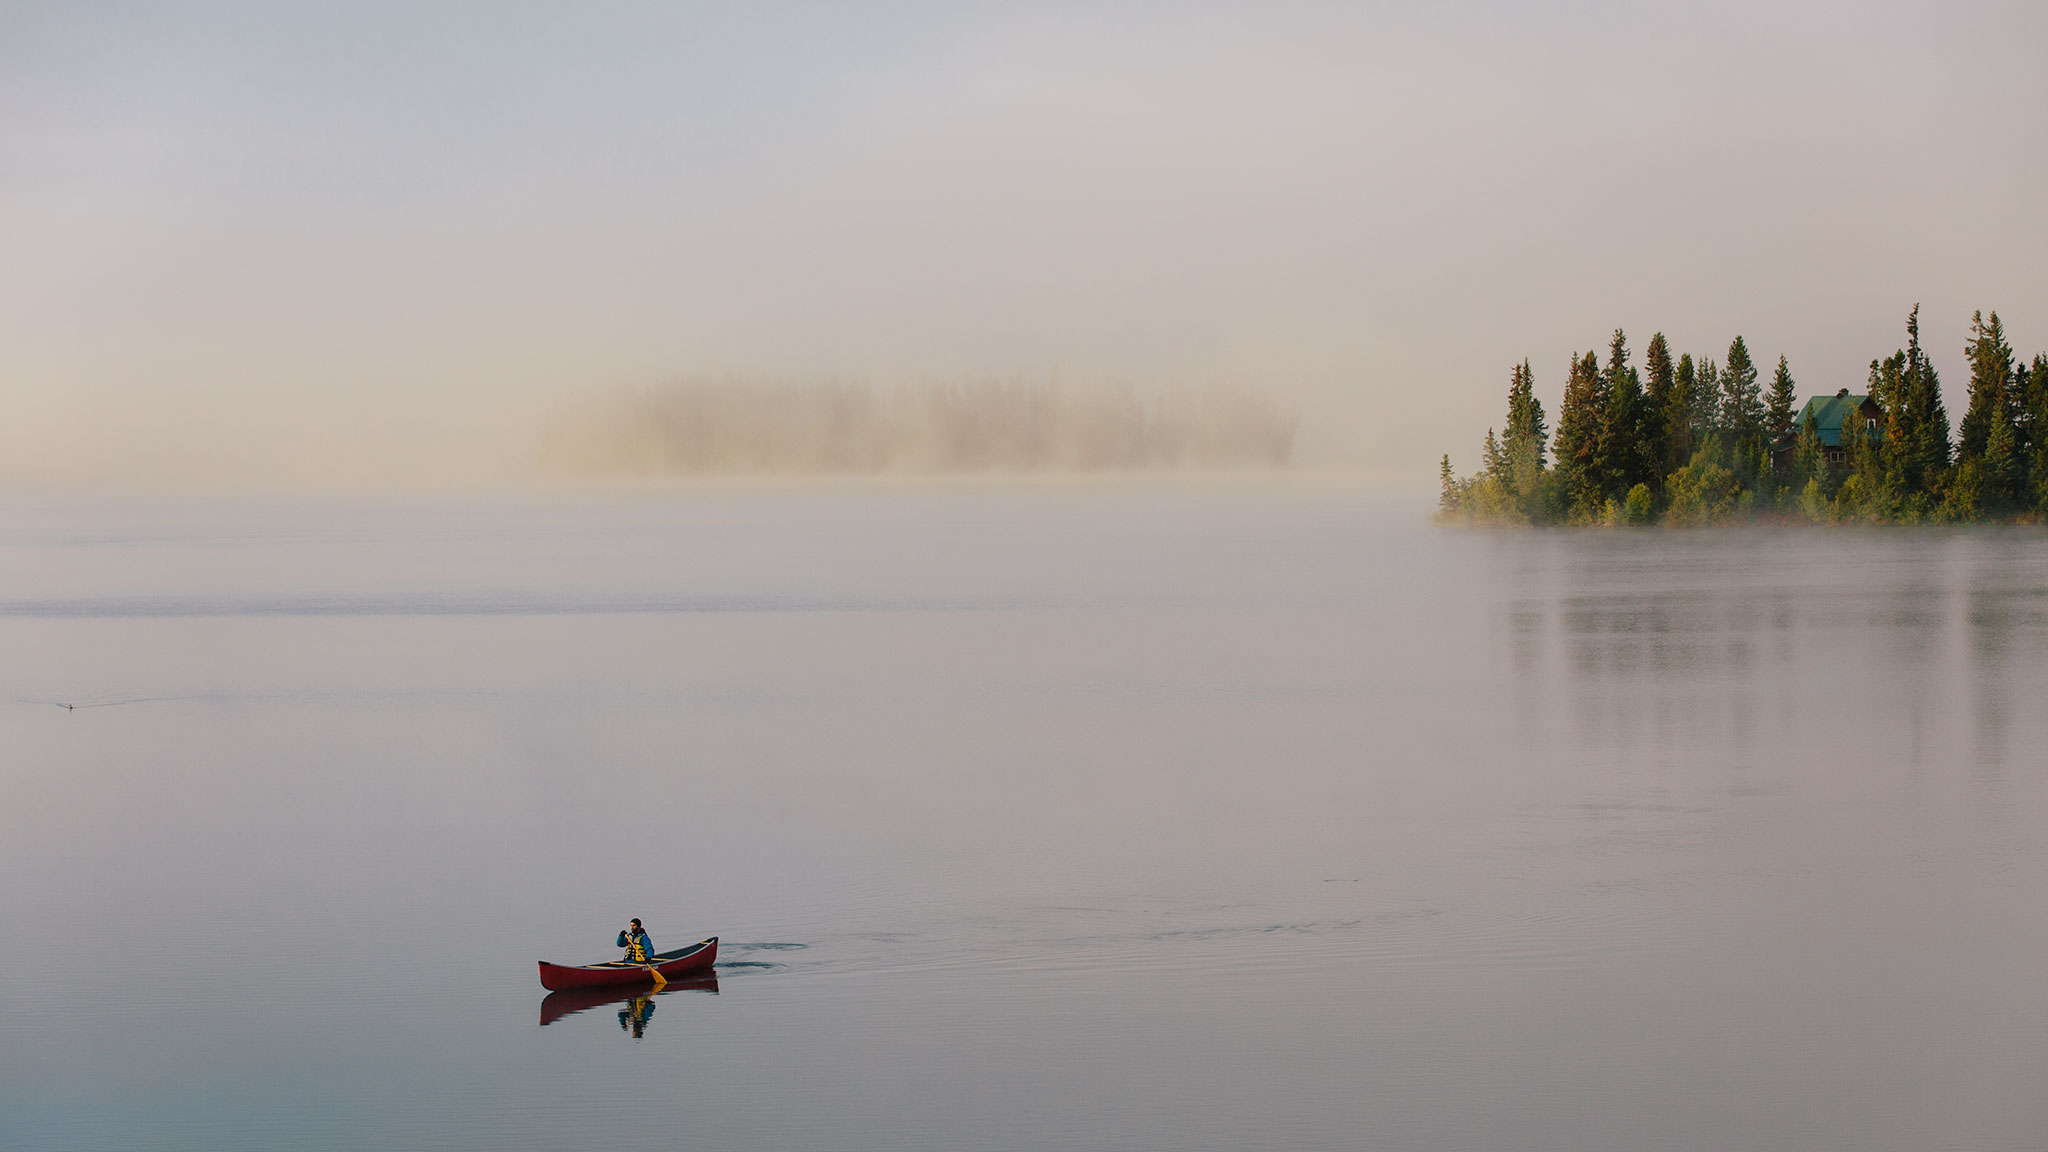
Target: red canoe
695 958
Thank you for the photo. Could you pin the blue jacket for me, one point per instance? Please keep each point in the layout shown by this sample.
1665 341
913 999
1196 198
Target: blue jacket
637 942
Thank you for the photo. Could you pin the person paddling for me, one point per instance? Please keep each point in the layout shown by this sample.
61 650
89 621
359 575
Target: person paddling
639 949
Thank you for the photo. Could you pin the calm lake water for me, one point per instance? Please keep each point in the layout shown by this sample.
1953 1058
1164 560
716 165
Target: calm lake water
1058 816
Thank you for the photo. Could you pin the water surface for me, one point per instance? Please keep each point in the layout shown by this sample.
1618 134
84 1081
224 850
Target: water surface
1109 816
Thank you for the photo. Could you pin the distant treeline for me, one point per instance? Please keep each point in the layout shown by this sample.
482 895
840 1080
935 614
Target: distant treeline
744 427
1695 442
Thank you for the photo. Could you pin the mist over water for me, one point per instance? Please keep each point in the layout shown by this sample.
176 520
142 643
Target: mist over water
737 427
1123 816
375 246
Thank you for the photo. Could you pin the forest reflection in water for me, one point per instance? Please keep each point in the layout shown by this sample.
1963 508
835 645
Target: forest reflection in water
1758 636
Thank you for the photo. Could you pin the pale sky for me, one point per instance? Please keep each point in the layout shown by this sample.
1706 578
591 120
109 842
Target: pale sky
263 242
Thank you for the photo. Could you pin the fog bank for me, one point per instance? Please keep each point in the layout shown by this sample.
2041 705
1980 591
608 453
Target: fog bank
380 243
741 428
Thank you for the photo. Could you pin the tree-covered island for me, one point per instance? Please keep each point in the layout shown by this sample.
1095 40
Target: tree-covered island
1697 442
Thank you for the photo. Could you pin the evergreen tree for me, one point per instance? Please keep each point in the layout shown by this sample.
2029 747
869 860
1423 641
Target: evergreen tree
1777 431
1678 417
1809 456
1659 381
1703 491
1862 467
1702 442
1524 443
1742 409
1917 454
1779 415
1991 384
1622 432
2034 430
1605 448
2003 467
1581 469
1706 405
1932 452
1890 458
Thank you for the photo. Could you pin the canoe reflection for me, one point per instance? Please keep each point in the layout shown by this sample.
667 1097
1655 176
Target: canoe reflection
637 998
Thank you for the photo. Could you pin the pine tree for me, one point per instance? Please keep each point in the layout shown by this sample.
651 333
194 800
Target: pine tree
2003 466
1581 470
1706 405
1932 451
1524 442
1622 431
1916 456
1742 409
1778 417
1809 457
1701 442
1991 383
2034 431
1892 455
1863 455
1658 383
1604 449
1678 416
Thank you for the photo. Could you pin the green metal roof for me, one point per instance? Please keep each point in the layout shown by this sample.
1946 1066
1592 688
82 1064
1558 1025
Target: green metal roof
1828 413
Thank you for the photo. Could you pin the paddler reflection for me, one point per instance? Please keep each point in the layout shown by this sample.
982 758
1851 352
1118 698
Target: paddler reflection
633 1017
637 1001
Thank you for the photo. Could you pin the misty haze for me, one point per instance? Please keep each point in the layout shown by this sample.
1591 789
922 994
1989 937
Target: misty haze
754 428
1127 576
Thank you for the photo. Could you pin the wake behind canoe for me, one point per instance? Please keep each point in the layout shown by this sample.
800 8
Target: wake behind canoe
697 957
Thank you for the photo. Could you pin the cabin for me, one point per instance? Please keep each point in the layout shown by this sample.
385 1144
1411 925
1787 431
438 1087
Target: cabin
1831 414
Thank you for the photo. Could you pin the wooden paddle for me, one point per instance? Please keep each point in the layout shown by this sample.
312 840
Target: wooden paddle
654 970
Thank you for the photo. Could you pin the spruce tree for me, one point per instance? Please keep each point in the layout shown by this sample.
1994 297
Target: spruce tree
1892 455
2003 466
1604 450
1931 449
1742 409
1581 471
1623 430
1702 441
1809 458
1991 383
1779 414
2026 381
1917 454
2034 431
1863 451
1659 380
1706 405
1524 442
1678 416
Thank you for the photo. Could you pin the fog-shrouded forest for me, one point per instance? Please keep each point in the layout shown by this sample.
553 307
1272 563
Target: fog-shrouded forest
1698 441
730 427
